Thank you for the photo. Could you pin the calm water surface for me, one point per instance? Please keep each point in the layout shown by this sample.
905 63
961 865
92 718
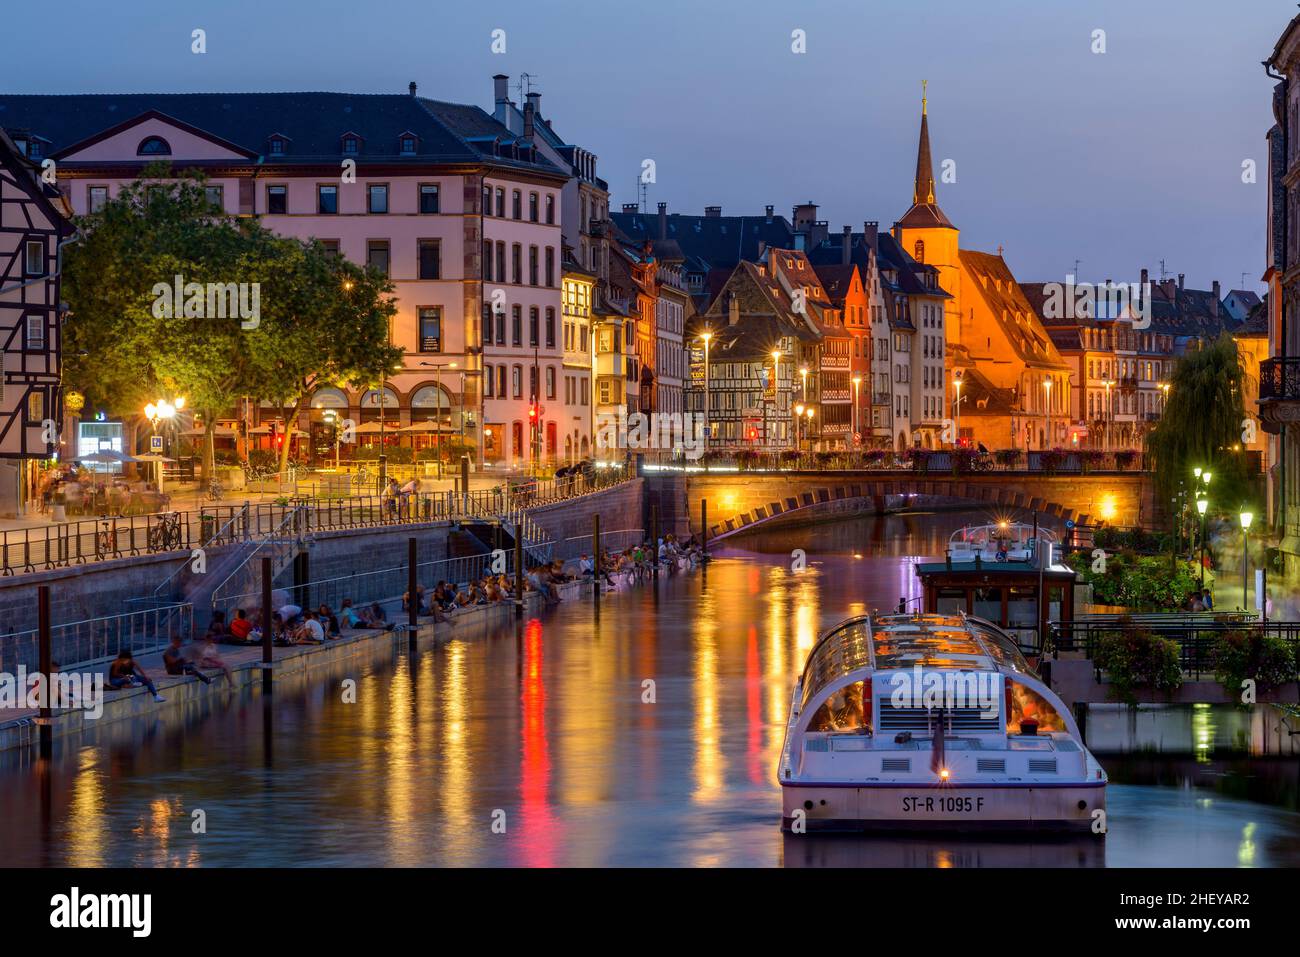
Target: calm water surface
543 725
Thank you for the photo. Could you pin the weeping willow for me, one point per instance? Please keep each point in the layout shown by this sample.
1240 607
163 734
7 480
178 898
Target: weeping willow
1202 422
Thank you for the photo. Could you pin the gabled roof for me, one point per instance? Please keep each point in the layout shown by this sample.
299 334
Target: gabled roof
836 280
1256 323
51 201
1006 302
313 122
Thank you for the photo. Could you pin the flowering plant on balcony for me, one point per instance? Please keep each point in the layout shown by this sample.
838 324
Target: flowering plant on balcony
1125 458
825 459
1265 659
1092 458
919 458
746 458
963 459
791 456
1008 458
1050 460
876 456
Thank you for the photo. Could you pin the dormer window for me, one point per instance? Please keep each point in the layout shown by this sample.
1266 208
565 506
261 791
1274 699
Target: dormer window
278 145
406 144
351 144
34 149
154 146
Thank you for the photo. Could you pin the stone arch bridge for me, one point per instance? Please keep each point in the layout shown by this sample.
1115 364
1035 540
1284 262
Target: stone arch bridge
741 501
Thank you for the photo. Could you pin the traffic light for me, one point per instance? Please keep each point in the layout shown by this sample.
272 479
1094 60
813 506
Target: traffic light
532 412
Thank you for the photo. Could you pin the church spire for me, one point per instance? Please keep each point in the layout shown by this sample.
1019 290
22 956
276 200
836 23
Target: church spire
923 191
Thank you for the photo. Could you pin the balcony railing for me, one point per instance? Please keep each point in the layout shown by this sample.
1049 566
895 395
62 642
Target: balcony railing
1279 379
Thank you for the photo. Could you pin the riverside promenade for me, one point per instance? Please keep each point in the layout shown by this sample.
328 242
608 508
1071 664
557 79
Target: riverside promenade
19 727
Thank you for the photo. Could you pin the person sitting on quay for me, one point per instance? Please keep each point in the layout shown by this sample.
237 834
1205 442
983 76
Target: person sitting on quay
291 614
377 617
350 617
309 632
240 628
280 632
419 599
203 654
124 672
505 587
217 627
328 621
176 663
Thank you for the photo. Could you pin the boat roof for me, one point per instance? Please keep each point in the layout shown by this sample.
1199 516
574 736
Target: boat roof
880 642
1003 530
1010 567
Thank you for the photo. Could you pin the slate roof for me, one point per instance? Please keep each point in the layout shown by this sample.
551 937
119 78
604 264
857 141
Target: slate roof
1256 324
1019 320
313 123
720 241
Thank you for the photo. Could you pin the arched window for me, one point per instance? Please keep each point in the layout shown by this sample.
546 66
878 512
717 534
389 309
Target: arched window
153 146
919 251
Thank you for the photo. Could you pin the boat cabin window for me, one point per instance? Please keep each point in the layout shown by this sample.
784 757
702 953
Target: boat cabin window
843 712
951 601
1022 607
988 604
1027 703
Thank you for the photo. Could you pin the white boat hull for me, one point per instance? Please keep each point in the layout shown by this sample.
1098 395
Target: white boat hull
832 807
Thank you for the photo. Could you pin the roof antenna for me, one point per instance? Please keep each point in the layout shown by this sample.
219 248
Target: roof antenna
1243 280
525 85
1077 262
1163 271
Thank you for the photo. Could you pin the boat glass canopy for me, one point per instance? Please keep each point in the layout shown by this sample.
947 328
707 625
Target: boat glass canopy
903 641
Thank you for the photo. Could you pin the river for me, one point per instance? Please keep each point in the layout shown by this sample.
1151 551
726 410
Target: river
642 733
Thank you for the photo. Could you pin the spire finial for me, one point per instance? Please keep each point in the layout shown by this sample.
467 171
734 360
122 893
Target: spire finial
923 85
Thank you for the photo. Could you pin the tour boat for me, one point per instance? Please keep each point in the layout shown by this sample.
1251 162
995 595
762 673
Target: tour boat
998 542
932 721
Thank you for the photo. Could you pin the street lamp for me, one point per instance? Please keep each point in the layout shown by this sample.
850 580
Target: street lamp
857 384
1201 505
1246 519
1047 411
798 420
808 412
956 381
162 411
1105 421
707 337
803 374
776 390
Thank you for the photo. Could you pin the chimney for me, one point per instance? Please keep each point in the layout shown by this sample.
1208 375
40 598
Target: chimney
530 118
871 235
534 99
663 220
713 212
1145 278
630 209
846 246
767 211
733 310
500 88
1180 281
805 214
1214 302
412 88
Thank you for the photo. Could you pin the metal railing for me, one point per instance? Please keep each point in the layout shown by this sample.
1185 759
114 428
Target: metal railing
379 585
613 541
925 461
1279 379
97 640
75 543
1195 634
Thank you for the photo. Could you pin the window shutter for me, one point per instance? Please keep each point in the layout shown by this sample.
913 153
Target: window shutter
245 197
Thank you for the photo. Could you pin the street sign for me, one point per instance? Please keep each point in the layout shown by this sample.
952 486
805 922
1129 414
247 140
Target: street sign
1069 523
155 443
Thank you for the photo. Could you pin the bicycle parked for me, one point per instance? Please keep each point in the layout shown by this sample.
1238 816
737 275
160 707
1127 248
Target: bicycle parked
165 533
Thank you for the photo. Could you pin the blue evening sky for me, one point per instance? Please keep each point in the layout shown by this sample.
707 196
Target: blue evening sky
1117 159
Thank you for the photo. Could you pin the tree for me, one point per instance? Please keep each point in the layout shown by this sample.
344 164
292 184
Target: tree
1202 423
324 322
255 314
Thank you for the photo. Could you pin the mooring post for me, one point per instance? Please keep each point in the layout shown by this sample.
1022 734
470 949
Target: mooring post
704 526
595 556
268 625
519 573
1081 719
47 667
412 584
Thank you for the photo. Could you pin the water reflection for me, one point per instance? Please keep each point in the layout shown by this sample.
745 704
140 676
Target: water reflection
647 734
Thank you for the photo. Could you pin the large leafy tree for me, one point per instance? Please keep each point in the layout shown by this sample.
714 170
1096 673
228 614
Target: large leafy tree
324 322
125 347
1202 425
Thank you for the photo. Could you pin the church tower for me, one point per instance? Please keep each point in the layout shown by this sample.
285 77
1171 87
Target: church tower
925 233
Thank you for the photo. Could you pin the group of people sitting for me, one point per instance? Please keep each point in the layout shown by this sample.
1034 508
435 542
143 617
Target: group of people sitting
178 659
293 625
636 562
447 598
